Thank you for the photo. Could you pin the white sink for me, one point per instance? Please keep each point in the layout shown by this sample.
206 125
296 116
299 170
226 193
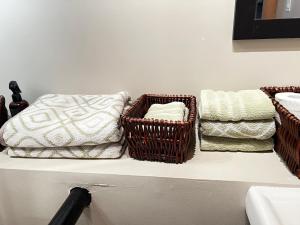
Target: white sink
273 206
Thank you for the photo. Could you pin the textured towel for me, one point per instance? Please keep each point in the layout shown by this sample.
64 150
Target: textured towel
104 151
235 145
67 120
261 130
291 101
176 111
235 106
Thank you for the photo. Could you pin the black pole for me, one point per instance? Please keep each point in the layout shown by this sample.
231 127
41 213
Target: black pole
71 209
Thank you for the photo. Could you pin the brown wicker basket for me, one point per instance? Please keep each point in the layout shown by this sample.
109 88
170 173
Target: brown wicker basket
159 140
287 140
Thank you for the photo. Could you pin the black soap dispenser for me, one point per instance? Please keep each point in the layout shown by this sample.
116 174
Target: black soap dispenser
3 111
18 104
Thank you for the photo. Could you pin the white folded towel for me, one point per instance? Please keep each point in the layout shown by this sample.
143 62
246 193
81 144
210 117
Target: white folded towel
112 150
261 129
176 111
235 106
67 120
291 101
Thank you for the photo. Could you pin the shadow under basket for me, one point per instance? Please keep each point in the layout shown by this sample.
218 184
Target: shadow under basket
160 140
287 139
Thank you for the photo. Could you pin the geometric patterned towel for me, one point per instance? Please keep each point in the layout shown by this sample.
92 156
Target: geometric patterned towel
235 145
67 120
104 151
261 130
235 106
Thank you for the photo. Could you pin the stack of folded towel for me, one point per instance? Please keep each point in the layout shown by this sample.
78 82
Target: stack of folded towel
176 111
67 126
236 121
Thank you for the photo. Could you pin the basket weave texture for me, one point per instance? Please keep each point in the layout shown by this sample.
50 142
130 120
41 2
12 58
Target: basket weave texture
159 140
287 139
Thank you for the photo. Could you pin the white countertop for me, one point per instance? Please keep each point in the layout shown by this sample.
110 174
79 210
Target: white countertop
244 167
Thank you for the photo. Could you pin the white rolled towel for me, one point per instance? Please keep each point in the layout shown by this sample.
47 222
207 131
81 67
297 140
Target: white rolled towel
291 101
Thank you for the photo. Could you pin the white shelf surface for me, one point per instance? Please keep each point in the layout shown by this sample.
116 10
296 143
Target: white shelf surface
224 166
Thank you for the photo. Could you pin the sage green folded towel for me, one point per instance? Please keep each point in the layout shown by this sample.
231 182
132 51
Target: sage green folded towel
176 111
261 129
235 145
235 106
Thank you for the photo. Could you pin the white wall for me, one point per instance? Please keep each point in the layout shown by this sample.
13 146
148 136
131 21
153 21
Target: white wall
33 197
163 46
129 200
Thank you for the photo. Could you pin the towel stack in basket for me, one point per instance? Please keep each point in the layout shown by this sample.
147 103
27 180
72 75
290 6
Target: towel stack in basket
287 103
67 126
236 121
176 111
161 128
291 101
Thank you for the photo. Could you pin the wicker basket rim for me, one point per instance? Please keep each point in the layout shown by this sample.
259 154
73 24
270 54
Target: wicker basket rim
168 95
144 121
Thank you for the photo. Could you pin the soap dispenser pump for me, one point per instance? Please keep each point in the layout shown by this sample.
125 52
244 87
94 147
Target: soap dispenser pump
17 104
